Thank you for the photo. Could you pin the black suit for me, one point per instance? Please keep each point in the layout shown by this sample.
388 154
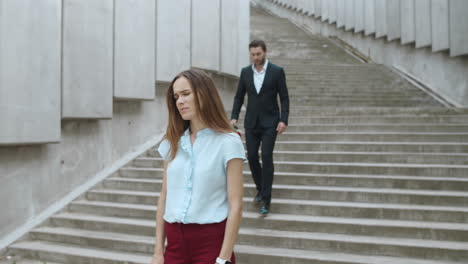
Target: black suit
261 120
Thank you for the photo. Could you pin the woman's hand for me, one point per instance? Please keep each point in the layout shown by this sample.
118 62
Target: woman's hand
158 259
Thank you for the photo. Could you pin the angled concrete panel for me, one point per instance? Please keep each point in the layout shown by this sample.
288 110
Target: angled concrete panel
332 11
229 36
340 20
422 20
243 34
173 38
30 41
458 27
359 15
407 21
135 53
206 26
310 7
440 25
300 6
318 8
325 14
87 59
349 15
380 18
369 17
393 20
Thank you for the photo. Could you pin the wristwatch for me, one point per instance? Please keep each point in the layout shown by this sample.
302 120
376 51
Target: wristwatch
222 261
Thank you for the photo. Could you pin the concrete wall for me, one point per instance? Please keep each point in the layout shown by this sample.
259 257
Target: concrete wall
440 25
87 59
174 38
102 107
443 72
135 49
206 34
408 28
458 23
30 71
369 17
422 18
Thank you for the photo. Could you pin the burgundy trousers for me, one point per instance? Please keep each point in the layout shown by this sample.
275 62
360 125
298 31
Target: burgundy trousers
194 243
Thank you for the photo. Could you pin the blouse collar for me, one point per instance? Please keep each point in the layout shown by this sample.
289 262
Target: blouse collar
185 139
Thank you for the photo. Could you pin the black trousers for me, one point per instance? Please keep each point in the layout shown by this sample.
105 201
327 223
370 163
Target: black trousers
262 174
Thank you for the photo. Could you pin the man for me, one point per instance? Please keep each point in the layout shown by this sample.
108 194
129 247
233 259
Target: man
263 81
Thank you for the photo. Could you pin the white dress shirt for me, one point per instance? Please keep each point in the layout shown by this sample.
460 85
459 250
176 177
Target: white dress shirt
259 76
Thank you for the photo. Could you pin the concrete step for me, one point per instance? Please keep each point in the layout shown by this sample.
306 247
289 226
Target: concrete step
297 110
413 248
284 222
357 96
324 156
363 146
117 209
57 252
374 168
351 90
326 179
330 193
358 99
365 195
102 223
359 226
96 239
266 255
363 102
372 119
338 92
387 168
363 245
21 260
334 94
389 128
376 136
99 198
375 147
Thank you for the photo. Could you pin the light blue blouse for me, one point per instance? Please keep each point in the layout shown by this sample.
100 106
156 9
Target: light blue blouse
196 178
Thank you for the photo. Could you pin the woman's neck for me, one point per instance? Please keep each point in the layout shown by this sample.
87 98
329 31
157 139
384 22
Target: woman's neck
195 126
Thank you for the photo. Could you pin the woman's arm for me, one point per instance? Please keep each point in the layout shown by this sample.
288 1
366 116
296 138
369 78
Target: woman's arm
235 188
158 257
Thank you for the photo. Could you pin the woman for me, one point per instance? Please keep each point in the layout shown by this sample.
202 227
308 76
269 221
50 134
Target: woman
200 205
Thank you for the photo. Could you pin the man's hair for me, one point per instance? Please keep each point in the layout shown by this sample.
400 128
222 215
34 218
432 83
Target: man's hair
258 43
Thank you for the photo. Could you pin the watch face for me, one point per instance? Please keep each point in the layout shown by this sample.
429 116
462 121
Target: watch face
228 262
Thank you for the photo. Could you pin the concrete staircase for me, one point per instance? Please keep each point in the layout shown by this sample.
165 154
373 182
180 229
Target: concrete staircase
371 170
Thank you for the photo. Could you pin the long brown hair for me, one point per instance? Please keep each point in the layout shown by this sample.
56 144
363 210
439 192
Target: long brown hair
208 105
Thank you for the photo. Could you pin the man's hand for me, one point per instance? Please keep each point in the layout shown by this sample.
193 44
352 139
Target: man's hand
233 121
281 128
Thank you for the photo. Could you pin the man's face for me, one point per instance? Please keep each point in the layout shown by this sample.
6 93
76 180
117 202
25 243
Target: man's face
257 55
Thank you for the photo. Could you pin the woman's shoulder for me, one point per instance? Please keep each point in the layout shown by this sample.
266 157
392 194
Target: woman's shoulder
230 138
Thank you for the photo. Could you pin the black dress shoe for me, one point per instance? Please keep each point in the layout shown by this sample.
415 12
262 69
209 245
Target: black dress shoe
258 198
265 209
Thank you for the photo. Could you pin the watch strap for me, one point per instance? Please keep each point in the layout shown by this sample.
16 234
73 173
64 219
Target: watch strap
222 261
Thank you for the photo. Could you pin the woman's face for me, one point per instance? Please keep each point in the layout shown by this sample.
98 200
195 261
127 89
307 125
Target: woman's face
184 98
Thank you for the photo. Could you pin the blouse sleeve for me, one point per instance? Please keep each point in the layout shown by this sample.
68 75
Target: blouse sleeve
233 148
164 149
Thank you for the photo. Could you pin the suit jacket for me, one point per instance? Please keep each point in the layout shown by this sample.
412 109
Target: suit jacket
262 107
